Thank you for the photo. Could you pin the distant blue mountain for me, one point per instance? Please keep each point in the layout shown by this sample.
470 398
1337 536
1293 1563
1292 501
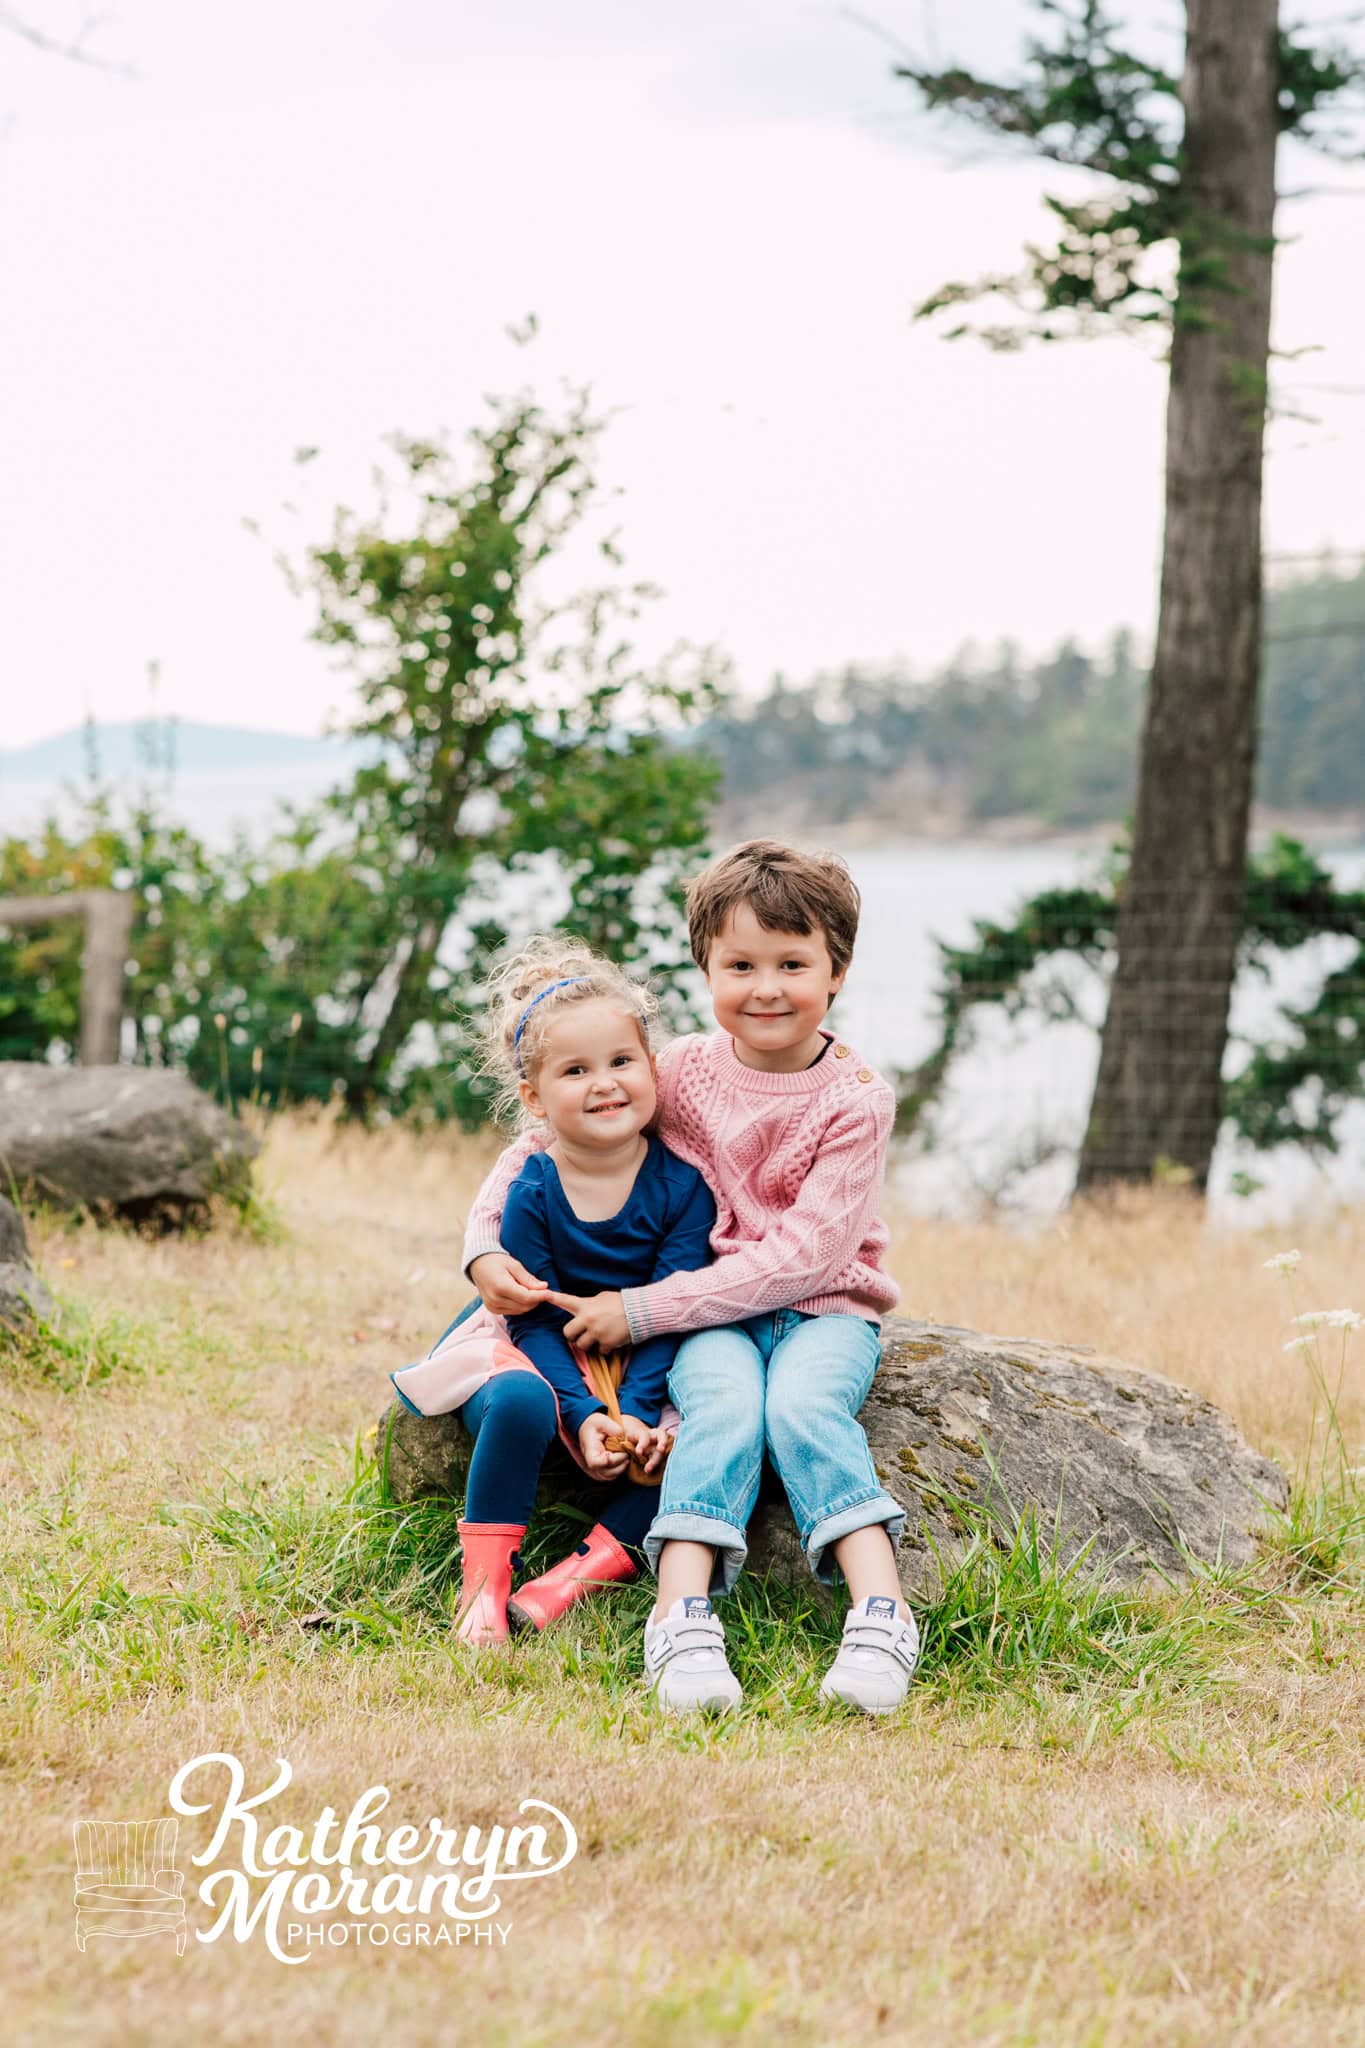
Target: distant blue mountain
122 749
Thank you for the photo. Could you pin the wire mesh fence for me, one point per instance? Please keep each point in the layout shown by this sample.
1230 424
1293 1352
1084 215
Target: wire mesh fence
998 1089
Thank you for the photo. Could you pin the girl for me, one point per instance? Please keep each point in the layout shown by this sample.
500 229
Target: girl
604 1206
791 1130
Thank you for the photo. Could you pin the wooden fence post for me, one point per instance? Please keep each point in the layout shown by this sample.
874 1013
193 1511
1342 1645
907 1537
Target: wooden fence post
108 922
108 915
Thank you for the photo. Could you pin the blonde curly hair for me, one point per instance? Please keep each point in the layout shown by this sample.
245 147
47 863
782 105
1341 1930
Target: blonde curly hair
552 972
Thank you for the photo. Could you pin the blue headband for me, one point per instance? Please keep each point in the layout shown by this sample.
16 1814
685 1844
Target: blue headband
521 1026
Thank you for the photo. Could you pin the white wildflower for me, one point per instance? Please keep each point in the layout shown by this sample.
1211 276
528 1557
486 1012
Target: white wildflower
1315 1319
1342 1319
1308 1343
1283 1262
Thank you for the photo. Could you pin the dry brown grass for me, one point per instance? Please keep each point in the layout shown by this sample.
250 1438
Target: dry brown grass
1145 1278
994 1869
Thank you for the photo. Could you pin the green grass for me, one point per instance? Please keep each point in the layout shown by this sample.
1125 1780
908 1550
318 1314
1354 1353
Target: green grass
313 1570
80 1349
1082 1827
1320 1535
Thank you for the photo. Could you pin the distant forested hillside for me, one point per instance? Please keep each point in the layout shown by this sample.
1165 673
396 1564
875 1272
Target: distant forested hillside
994 737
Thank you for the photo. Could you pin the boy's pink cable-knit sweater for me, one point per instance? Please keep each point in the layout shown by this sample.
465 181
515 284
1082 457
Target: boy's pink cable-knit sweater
795 1163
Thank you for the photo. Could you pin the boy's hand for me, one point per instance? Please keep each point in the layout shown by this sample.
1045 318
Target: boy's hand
598 1321
504 1284
592 1435
649 1445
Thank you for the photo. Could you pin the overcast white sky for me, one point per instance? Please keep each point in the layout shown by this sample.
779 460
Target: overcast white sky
310 221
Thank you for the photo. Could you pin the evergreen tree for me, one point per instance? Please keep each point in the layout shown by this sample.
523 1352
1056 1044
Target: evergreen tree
1188 170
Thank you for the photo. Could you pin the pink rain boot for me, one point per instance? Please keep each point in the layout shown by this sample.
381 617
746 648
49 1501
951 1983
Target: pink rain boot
487 1549
596 1562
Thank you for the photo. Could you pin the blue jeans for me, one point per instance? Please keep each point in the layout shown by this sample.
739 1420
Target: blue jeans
794 1383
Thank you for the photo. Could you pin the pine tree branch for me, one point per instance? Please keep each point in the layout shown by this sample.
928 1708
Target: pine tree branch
74 50
1086 102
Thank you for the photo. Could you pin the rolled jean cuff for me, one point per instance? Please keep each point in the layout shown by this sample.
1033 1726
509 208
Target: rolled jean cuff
878 1507
699 1525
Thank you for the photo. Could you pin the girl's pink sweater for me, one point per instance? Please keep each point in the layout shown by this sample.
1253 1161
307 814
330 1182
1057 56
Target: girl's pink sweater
795 1162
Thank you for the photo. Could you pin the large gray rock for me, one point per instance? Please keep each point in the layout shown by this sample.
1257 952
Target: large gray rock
1146 1473
22 1294
137 1141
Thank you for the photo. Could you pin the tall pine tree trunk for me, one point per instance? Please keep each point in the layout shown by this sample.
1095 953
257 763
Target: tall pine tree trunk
1158 1096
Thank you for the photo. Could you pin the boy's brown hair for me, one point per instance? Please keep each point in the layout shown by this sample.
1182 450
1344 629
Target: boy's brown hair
788 891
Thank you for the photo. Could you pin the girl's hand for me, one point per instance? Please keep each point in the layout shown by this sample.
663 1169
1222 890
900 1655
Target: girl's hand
598 1321
649 1445
504 1284
592 1435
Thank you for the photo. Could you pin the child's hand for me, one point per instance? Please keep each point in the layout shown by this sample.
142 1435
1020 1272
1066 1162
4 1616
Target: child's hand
649 1445
504 1284
598 1321
592 1435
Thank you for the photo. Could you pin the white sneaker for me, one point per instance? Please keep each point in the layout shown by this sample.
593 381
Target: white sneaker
685 1663
876 1659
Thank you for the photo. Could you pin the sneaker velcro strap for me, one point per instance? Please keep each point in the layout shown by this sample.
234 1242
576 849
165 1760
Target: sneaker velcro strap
688 1634
872 1635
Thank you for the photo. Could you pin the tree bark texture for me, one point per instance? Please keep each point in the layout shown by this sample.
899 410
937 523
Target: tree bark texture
1158 1096
411 976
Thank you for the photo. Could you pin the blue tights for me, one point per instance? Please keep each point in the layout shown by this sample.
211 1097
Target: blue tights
512 1419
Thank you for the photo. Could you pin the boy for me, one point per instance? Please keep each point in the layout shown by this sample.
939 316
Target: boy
790 1129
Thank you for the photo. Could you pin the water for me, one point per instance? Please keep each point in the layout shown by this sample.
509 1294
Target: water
1016 1102
214 803
1015 1105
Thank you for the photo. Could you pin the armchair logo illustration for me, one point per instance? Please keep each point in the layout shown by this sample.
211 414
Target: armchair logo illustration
127 1884
308 1886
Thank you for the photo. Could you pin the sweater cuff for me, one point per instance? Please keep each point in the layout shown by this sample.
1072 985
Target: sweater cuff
475 1245
635 1304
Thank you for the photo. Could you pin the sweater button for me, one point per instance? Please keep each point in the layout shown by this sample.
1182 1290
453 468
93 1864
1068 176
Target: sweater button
841 1052
864 1073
